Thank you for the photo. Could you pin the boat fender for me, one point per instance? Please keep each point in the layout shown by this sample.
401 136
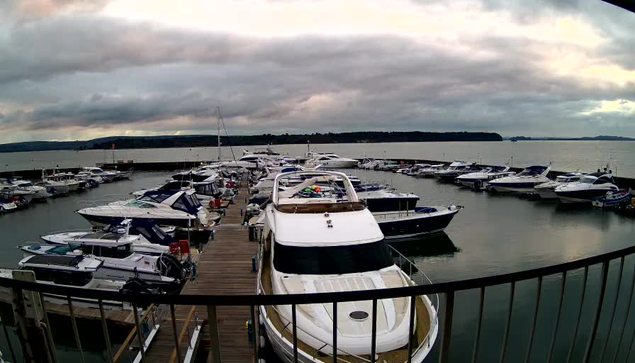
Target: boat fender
174 248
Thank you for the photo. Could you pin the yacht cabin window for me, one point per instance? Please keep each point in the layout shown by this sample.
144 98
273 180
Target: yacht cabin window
111 252
72 278
332 260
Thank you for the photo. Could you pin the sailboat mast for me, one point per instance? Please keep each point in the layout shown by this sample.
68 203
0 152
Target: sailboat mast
218 130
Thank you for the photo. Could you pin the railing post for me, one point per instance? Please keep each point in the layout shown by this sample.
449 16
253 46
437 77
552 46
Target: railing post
212 320
19 313
75 330
335 332
533 326
628 314
596 320
411 326
477 340
373 334
142 343
617 298
577 324
508 324
177 346
555 330
295 333
446 340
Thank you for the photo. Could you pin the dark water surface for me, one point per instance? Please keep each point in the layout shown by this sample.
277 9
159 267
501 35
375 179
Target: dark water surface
492 235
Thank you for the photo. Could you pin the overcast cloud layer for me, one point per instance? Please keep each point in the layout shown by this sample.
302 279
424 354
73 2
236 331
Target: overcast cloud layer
83 69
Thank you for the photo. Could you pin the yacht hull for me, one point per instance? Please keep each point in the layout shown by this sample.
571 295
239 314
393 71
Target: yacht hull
102 221
581 196
402 225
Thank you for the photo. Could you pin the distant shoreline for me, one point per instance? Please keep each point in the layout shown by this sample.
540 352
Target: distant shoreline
184 141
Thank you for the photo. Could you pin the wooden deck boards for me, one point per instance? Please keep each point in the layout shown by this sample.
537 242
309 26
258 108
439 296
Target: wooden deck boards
224 268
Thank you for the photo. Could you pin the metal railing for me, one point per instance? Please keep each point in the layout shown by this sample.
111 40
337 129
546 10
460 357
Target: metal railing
448 290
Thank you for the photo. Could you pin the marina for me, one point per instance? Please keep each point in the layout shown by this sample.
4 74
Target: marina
473 245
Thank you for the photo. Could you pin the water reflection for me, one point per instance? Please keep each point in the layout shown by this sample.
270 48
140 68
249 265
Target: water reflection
433 245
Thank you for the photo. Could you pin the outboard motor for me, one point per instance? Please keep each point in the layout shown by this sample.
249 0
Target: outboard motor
137 286
170 266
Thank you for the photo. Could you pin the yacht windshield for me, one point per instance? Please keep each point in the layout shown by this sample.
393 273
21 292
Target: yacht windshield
139 204
588 179
332 260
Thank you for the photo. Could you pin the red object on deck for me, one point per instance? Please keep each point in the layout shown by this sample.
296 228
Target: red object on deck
184 245
174 248
217 202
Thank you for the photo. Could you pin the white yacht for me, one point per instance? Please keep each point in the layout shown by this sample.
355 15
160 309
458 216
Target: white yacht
180 209
205 191
523 182
455 169
53 187
21 197
479 179
322 244
146 237
589 188
39 192
429 171
329 160
67 179
548 190
71 272
368 164
120 261
106 175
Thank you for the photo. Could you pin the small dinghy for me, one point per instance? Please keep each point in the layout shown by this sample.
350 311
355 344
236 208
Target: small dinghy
613 199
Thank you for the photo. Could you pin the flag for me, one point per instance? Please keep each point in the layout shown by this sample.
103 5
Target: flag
113 146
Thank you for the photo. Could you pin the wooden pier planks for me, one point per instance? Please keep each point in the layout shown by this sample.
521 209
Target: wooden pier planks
224 268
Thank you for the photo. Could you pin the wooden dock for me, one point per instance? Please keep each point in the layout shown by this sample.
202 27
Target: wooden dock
224 268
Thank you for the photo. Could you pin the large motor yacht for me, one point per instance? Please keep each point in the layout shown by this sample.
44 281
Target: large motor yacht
39 192
548 190
180 209
329 160
456 169
319 243
479 179
106 175
589 188
523 182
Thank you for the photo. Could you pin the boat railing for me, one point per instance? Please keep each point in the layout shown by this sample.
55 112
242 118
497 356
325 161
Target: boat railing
607 290
419 278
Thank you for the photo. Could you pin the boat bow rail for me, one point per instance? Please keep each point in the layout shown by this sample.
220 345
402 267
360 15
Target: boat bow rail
604 305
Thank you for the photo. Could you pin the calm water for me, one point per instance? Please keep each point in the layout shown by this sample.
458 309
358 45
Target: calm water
492 235
565 156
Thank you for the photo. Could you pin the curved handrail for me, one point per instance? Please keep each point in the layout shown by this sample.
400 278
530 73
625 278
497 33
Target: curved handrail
250 300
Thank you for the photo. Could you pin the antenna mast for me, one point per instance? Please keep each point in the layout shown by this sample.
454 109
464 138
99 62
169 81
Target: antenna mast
218 130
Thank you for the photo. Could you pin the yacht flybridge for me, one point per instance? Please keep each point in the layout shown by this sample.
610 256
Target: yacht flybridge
318 242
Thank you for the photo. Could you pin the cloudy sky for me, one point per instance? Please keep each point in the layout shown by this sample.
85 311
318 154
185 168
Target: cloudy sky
79 69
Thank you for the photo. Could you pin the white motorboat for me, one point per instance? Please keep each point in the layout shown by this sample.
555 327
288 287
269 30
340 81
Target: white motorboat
7 206
21 197
548 190
414 170
368 164
387 165
120 260
67 179
523 182
587 189
92 181
380 198
456 169
71 272
180 209
329 160
417 222
39 192
321 244
479 179
205 191
53 187
429 171
146 236
106 175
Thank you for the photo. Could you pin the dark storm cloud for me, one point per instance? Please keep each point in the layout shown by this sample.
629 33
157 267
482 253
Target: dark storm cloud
87 71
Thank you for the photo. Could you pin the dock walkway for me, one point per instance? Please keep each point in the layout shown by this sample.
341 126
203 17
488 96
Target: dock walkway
224 268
